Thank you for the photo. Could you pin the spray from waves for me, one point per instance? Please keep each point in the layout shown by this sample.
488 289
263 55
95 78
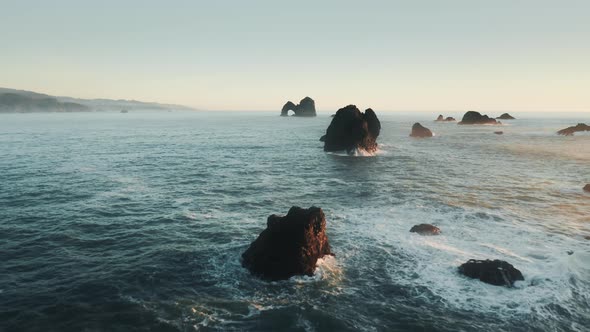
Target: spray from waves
358 153
552 278
248 296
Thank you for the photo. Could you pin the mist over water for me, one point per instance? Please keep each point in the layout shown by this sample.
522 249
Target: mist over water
114 221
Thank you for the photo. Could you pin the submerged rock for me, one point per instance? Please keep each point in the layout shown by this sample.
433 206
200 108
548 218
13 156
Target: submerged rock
290 245
306 107
351 129
473 117
569 131
506 116
420 131
495 272
587 187
425 229
443 119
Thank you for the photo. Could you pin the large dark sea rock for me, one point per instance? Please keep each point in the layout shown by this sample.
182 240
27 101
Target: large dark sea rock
473 117
289 246
495 272
587 187
351 129
569 131
425 229
506 116
420 131
443 119
306 107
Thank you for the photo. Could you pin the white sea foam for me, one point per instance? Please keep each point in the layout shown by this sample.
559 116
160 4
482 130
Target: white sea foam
358 153
433 261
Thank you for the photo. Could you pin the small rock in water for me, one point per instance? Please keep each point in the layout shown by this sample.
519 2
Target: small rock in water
420 131
425 229
495 272
498 132
505 116
570 252
587 187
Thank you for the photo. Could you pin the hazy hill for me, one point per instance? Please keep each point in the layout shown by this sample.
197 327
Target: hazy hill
27 101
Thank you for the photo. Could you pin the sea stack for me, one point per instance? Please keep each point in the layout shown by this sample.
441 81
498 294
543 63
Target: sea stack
425 229
495 272
420 131
352 130
569 131
505 116
443 119
306 107
289 246
473 117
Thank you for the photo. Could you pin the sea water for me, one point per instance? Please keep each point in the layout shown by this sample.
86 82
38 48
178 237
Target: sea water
137 221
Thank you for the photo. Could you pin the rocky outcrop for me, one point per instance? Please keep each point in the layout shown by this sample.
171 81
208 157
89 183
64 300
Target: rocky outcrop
351 129
587 187
425 229
306 107
495 272
443 119
569 131
473 117
506 116
290 245
420 131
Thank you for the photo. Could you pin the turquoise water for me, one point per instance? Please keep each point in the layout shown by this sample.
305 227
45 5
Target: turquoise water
137 221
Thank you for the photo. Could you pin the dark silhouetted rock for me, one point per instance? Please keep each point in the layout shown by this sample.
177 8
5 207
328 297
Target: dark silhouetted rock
587 187
569 131
425 229
306 107
495 272
351 129
290 245
473 117
498 132
443 119
420 131
505 116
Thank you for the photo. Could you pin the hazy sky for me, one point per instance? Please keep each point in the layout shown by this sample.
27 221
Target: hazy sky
389 55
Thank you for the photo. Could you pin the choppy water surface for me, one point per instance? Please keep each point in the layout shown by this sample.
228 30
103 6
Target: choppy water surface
114 221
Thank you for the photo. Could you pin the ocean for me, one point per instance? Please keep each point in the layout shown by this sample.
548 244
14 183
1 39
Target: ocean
137 221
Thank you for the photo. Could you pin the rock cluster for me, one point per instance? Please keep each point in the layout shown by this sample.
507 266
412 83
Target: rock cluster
473 117
443 119
569 131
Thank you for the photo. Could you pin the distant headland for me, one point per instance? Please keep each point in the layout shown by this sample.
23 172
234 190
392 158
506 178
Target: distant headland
21 101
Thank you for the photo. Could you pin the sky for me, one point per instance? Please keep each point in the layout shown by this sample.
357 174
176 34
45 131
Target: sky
414 55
